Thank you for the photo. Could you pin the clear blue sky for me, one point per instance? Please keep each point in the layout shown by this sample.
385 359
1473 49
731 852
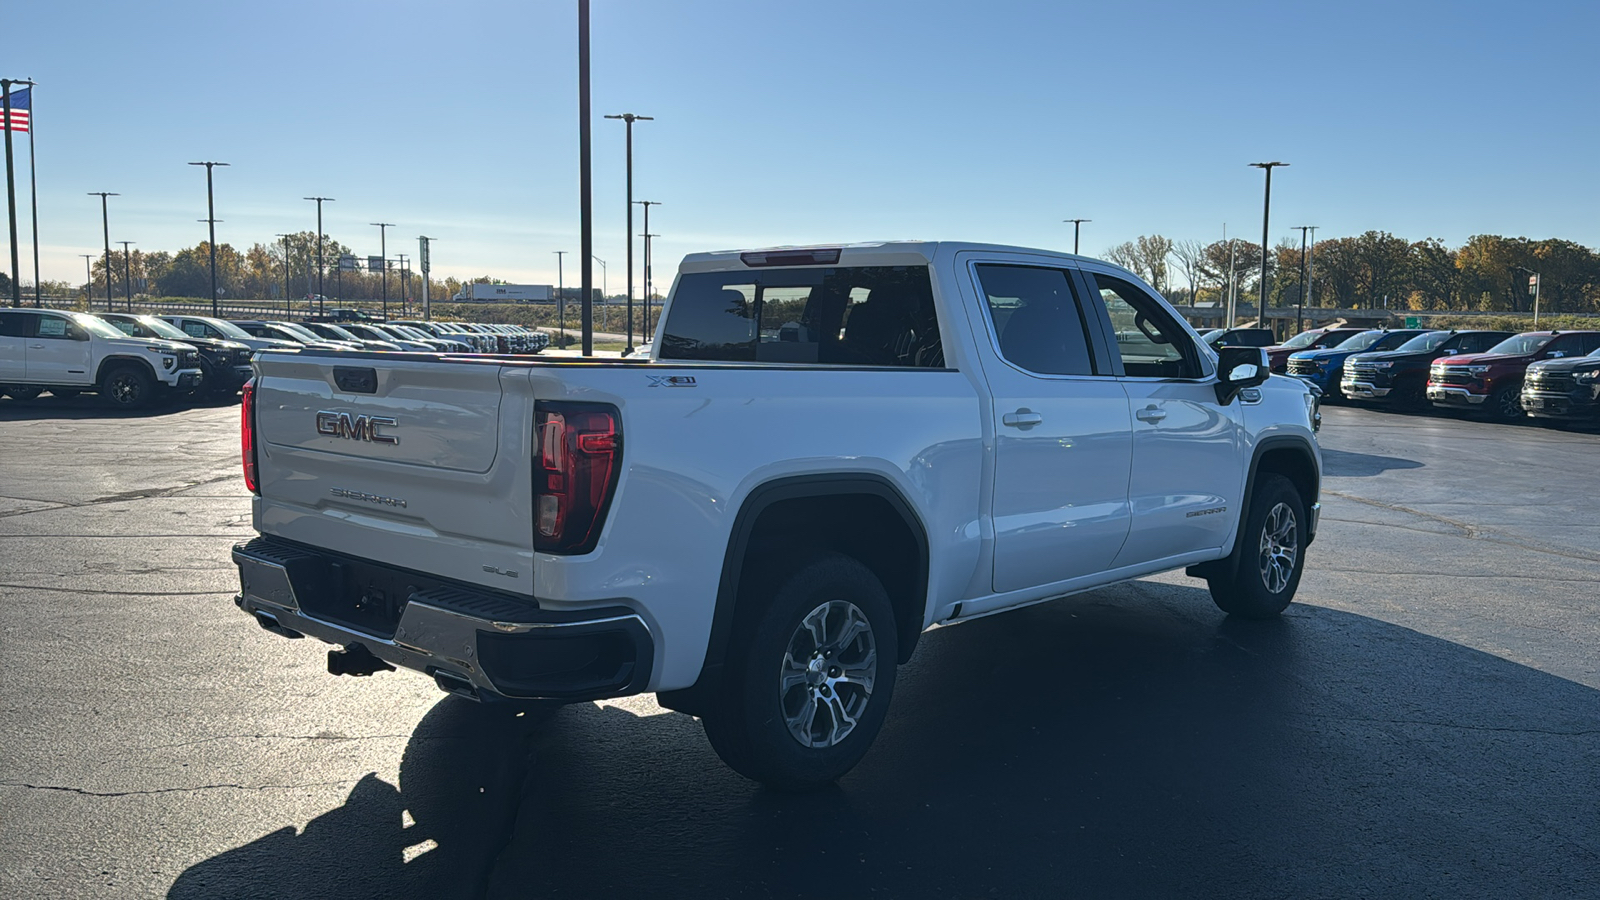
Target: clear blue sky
806 122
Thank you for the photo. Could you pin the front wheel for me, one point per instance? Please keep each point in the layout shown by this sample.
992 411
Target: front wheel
1268 556
128 387
810 679
1505 404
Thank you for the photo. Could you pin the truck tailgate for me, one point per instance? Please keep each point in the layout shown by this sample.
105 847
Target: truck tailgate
419 463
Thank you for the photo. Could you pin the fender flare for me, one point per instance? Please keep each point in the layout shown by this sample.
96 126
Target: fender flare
696 698
114 361
1293 443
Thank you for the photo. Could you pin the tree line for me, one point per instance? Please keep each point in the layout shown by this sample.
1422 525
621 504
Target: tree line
1375 270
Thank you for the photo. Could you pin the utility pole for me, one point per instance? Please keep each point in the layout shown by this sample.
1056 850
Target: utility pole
1266 213
405 286
561 297
1076 223
1299 315
320 201
211 218
127 272
105 225
629 119
383 251
646 235
88 281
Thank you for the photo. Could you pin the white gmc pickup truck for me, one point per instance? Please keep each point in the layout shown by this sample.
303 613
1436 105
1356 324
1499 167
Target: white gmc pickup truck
829 450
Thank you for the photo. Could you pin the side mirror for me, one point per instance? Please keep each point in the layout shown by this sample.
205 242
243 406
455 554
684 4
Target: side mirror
1239 368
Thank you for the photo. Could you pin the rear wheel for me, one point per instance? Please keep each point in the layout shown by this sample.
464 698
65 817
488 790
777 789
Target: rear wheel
809 683
23 392
1269 555
128 387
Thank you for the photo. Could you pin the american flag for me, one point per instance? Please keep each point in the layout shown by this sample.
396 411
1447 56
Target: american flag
19 109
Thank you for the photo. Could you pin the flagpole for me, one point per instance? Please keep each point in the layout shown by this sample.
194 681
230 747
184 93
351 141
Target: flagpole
11 194
33 191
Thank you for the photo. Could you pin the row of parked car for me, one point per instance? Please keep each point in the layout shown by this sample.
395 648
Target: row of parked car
1543 374
132 360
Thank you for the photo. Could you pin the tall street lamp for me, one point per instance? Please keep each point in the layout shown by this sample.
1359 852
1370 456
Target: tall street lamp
286 306
561 296
629 119
105 224
383 251
319 200
1299 314
211 218
1266 212
405 285
646 235
1076 224
127 272
88 280
603 303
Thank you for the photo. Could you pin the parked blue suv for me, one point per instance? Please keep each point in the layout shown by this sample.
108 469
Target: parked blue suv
1324 368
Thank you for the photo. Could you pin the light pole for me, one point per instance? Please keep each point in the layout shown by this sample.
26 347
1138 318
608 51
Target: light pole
1266 212
211 219
320 201
561 296
127 273
1076 224
629 119
646 235
1537 282
424 250
105 224
88 280
383 251
405 286
286 307
603 303
1299 314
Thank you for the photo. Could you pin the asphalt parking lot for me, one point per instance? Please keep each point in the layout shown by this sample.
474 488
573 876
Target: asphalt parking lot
1424 721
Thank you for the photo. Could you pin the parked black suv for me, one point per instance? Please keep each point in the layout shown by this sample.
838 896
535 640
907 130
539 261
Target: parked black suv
1399 377
225 365
1563 388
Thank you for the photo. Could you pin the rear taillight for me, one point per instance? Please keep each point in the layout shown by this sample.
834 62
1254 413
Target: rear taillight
574 474
247 435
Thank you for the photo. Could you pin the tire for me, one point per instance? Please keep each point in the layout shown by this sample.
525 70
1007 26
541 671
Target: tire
65 393
1412 395
809 677
1505 404
128 387
23 392
1269 556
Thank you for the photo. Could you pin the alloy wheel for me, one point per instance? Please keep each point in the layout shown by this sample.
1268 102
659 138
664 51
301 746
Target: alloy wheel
1280 547
825 680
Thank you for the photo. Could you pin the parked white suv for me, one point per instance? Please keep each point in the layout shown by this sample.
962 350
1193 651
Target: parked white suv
68 353
828 451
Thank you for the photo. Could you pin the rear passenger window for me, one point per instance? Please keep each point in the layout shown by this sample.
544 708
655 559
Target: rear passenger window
14 324
861 315
52 327
194 329
1036 318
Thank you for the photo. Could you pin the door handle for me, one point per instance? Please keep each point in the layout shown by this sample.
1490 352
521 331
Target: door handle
35 346
1022 418
1151 414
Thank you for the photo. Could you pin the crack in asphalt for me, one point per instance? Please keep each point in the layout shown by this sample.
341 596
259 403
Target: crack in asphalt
1458 575
1587 732
1468 530
84 792
56 590
142 494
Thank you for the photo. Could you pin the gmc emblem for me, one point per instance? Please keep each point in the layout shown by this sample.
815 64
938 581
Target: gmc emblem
355 428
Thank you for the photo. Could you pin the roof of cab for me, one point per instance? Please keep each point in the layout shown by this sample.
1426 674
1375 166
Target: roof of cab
881 253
